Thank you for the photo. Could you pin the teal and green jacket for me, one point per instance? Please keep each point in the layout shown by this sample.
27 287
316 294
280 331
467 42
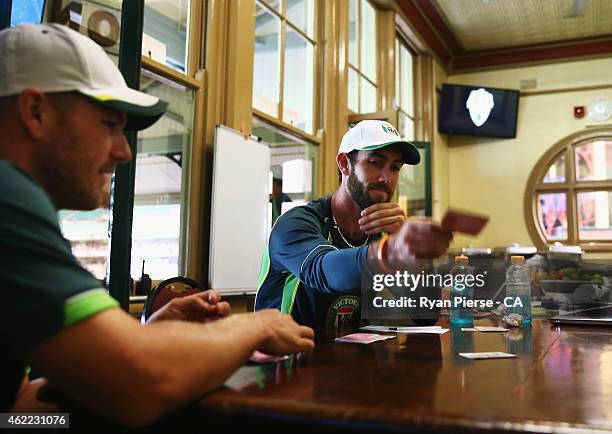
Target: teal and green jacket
308 271
42 286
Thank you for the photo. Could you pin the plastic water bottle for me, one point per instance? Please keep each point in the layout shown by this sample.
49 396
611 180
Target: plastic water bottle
518 289
462 290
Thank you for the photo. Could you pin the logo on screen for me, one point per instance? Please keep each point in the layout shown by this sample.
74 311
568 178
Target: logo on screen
480 103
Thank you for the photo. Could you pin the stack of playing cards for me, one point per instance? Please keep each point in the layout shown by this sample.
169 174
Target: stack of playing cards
363 338
483 329
487 355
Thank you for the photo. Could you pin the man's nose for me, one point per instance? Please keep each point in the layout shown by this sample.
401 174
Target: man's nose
121 151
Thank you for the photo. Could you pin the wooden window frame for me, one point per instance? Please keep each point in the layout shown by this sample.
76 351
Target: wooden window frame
571 187
360 74
278 119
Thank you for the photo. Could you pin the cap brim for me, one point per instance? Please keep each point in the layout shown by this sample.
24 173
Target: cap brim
410 153
142 110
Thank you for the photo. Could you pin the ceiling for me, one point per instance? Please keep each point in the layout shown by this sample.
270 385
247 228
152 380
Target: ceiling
473 34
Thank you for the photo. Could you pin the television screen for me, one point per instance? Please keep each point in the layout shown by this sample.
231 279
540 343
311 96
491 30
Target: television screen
26 11
478 111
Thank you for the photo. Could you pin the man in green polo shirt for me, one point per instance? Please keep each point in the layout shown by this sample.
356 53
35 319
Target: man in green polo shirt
63 108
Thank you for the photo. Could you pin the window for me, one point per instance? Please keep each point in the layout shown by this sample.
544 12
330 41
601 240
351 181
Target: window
404 89
26 11
293 164
570 192
165 34
283 66
362 92
161 188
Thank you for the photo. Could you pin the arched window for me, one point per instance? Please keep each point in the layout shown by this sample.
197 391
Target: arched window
569 192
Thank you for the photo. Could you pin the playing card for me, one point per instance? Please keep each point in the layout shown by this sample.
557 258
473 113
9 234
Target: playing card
487 355
363 338
259 357
460 221
436 330
491 329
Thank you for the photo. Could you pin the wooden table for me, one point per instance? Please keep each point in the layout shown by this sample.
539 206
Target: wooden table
560 382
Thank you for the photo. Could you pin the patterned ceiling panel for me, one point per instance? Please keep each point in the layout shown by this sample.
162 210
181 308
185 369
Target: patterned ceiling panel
491 24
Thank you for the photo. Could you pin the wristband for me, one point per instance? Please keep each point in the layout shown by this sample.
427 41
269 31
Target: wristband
379 254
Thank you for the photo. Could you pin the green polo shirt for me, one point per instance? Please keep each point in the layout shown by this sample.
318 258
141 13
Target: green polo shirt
43 288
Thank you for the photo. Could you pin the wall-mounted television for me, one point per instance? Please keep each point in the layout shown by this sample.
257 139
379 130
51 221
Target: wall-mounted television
478 111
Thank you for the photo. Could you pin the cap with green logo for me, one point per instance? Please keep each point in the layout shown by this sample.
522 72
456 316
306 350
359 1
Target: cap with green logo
369 135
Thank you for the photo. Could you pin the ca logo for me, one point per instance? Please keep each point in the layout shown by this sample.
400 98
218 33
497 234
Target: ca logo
480 103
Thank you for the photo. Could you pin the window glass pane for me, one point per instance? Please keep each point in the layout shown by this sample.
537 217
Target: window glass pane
26 11
89 238
166 31
101 21
293 168
353 90
595 215
594 161
353 25
298 84
406 126
274 4
556 171
162 184
406 91
396 96
368 96
552 215
368 40
266 70
411 188
301 14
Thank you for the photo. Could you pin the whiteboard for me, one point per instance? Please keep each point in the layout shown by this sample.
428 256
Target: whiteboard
239 211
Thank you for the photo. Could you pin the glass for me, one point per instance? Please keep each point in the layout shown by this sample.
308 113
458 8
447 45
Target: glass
353 90
301 14
595 215
274 4
293 168
411 195
552 215
594 161
353 56
89 238
406 90
556 171
162 182
166 31
266 63
101 21
26 11
368 40
406 126
368 96
298 90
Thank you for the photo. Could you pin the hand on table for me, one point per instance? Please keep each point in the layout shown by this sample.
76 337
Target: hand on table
381 217
283 334
203 307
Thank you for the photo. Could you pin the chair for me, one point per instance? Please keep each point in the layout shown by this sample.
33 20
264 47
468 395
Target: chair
167 290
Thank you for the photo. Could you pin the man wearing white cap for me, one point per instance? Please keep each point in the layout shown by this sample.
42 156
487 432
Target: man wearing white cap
63 108
317 253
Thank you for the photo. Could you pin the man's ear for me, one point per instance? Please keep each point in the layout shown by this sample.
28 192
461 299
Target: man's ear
343 164
35 113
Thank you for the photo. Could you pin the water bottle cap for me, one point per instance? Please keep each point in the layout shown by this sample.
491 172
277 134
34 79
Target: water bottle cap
520 260
461 260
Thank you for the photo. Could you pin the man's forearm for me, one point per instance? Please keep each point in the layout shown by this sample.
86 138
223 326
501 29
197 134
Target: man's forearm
133 373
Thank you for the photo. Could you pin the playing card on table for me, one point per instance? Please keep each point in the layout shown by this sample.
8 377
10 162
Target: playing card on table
460 221
259 357
487 355
363 338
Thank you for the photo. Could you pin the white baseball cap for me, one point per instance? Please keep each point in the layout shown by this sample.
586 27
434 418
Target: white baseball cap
373 134
55 58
